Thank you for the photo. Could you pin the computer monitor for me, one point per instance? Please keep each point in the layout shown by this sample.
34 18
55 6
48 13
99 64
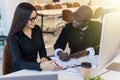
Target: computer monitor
56 0
110 39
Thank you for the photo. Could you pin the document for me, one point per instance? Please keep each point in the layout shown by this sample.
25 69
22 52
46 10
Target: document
66 64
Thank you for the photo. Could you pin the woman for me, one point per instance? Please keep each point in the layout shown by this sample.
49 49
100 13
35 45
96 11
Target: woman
25 40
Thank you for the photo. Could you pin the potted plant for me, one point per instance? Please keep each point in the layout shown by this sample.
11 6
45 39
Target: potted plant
95 78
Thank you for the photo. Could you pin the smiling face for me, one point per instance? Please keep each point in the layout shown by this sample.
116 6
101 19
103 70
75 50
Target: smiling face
32 20
82 17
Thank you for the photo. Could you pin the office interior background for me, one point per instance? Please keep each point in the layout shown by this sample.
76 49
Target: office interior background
7 8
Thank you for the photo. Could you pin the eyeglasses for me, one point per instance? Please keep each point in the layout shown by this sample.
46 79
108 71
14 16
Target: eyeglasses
33 19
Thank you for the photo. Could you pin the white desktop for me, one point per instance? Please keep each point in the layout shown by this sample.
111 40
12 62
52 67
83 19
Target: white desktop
67 74
109 54
110 39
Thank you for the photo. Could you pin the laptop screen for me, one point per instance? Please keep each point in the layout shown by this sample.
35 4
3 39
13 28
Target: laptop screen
33 77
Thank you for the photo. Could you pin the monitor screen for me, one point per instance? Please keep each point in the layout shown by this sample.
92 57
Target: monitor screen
56 0
110 39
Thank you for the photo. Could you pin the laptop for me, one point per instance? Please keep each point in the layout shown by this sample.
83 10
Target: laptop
32 77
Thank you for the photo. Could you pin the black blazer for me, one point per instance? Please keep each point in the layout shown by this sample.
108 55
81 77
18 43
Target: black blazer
78 39
24 50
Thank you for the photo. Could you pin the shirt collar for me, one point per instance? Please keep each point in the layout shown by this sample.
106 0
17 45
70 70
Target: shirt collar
83 29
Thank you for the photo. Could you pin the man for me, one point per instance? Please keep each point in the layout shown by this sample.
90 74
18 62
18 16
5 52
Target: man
82 35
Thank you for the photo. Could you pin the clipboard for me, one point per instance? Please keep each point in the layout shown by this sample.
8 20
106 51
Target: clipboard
66 64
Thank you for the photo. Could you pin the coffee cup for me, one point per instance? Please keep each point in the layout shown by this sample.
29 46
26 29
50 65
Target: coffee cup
85 70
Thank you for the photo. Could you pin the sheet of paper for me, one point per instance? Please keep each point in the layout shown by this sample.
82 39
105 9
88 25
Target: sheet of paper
66 64
111 75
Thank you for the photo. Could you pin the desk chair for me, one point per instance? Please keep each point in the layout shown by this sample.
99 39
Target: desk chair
57 6
38 7
76 4
7 60
49 6
98 13
67 15
69 5
66 18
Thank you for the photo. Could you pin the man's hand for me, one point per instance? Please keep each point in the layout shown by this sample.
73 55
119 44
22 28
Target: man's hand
79 54
63 56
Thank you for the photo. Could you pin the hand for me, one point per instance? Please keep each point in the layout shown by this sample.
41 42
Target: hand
50 65
42 60
63 56
79 54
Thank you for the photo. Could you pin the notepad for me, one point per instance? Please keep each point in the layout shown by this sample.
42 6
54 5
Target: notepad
66 64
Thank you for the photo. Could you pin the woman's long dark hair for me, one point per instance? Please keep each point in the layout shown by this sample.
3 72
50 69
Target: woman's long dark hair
21 17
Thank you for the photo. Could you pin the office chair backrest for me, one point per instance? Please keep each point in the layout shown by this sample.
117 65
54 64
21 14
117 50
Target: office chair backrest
38 7
76 4
66 18
49 6
67 15
7 60
69 5
98 13
58 6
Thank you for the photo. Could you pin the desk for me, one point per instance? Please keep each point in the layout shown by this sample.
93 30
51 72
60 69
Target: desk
52 12
62 74
66 75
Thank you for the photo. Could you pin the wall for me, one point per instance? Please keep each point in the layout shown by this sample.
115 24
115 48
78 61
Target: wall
8 7
7 11
39 1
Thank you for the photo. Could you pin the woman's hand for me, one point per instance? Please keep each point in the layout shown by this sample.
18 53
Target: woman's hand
42 60
50 65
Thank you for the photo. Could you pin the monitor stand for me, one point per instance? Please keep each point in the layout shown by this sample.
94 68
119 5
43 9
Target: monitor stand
114 66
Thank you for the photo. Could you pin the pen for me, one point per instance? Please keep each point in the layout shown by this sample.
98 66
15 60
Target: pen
71 66
56 63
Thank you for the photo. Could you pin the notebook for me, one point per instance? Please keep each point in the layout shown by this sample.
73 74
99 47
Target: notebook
66 64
